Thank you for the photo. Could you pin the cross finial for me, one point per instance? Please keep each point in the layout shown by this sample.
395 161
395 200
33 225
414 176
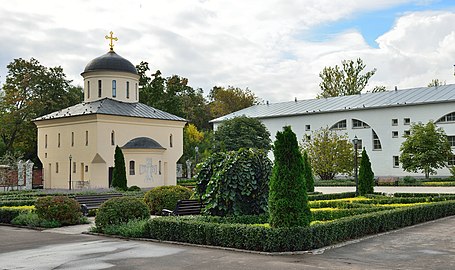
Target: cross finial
111 37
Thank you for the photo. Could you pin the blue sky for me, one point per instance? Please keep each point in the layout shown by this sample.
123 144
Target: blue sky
275 48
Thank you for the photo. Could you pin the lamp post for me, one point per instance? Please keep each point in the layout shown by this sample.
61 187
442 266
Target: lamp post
356 177
70 157
196 150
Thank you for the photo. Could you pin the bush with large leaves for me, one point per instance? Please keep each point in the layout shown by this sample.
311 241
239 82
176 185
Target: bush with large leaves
235 183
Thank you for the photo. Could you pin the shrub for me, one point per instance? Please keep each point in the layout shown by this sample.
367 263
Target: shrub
238 183
288 201
366 175
32 219
165 197
134 188
59 208
119 173
132 228
120 210
308 173
409 180
7 214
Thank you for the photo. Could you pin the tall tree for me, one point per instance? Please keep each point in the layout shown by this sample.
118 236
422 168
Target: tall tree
344 81
119 174
366 175
288 200
31 90
242 132
425 149
224 101
331 153
308 172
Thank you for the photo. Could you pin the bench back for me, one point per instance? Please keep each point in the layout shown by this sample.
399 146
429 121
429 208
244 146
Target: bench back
95 200
188 207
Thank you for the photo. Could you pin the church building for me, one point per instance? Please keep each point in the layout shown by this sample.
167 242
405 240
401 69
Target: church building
76 145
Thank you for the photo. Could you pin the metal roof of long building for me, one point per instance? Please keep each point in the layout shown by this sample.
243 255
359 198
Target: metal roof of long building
394 98
112 107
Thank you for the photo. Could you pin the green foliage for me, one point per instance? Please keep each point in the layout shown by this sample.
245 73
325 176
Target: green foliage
436 83
120 210
288 201
331 196
165 197
223 101
366 175
134 188
426 149
409 179
343 82
330 153
59 208
308 173
133 228
119 173
31 219
8 214
242 132
235 183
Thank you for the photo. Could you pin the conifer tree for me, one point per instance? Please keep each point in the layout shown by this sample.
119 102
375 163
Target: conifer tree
308 173
119 173
288 200
366 175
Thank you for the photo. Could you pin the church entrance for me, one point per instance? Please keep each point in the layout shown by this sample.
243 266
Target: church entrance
111 172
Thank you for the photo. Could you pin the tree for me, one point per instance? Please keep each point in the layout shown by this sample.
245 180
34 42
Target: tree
308 173
31 90
330 153
436 83
379 88
119 173
288 200
343 82
425 149
224 101
366 175
242 131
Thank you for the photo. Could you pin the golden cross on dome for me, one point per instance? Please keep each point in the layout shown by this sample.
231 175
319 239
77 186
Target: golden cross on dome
111 37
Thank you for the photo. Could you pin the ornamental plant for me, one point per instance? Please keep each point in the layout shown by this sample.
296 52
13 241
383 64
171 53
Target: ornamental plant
288 200
120 210
62 209
165 197
366 175
119 173
308 173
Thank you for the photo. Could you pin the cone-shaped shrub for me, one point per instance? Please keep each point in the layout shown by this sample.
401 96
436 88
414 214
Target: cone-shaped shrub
308 173
119 173
366 175
288 201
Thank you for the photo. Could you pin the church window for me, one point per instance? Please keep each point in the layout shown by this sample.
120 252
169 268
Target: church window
45 155
170 140
74 167
127 89
112 138
114 88
136 90
132 167
99 88
72 138
58 140
45 141
88 89
159 167
359 124
447 118
339 125
86 138
86 168
376 142
56 167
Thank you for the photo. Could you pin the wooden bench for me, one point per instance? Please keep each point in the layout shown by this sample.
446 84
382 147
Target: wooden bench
387 180
94 201
185 207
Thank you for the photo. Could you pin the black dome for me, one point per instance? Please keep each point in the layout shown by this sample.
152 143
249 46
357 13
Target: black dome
142 143
110 61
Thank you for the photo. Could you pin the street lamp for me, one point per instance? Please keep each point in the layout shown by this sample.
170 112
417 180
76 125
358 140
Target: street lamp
356 177
70 157
196 149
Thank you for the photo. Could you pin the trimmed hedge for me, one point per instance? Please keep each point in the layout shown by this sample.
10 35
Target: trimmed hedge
333 196
262 238
18 202
8 214
120 210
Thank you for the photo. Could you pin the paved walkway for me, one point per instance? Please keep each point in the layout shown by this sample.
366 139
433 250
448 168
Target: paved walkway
390 189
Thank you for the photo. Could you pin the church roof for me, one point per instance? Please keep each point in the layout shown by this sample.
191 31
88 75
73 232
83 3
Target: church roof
397 98
112 107
142 143
110 62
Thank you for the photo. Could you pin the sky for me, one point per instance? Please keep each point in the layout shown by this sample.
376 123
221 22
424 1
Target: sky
274 48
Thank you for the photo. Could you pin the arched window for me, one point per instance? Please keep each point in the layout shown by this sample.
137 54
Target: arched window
114 88
99 88
170 140
112 138
72 138
447 118
376 142
132 167
359 124
127 89
339 125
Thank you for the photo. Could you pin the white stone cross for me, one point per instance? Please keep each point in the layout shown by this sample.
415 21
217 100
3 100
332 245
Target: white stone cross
148 169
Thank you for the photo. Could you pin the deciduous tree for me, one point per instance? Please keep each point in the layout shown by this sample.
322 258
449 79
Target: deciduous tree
224 101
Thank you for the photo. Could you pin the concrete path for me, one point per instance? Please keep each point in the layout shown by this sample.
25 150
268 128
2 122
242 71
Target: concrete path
425 246
390 189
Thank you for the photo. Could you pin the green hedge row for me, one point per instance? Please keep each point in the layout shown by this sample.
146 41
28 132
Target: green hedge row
262 238
18 202
7 214
332 196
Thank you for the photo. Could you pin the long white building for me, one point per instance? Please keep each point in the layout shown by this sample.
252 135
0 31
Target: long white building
379 120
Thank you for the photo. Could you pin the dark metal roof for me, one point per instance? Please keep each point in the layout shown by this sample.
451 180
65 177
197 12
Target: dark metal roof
112 107
397 98
111 62
142 143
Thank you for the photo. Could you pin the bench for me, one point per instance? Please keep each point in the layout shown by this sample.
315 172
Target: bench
387 180
185 207
94 201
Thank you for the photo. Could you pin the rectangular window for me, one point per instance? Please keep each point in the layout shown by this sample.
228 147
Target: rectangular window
451 161
114 88
58 141
45 155
86 168
112 138
56 167
72 138
394 122
451 140
99 88
407 133
74 167
394 134
86 138
170 141
45 141
307 127
136 90
159 167
88 89
127 89
376 142
132 167
396 161
407 121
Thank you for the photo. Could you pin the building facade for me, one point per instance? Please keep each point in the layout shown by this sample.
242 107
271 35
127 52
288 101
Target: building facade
379 120
76 145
